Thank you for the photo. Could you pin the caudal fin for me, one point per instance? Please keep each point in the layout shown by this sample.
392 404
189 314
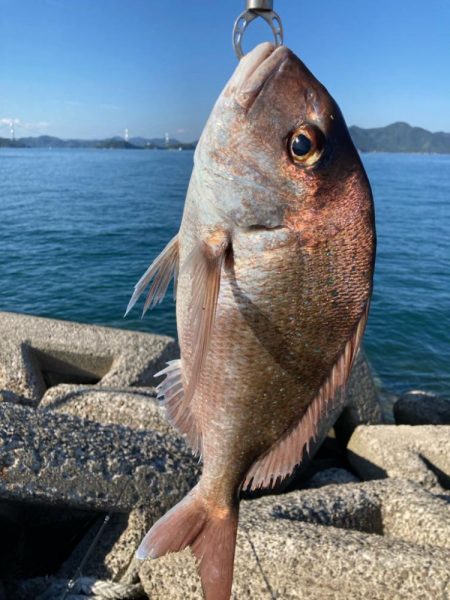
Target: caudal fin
209 531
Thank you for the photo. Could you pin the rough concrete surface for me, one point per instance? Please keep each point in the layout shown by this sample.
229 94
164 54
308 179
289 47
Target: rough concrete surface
417 407
281 558
36 353
419 453
330 476
94 425
137 408
61 459
394 508
379 539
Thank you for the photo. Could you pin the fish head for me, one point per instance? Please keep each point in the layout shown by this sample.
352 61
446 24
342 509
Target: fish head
276 150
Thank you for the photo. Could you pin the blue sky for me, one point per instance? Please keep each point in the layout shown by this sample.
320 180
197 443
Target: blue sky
90 68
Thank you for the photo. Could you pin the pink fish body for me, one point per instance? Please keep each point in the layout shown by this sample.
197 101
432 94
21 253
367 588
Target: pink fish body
274 264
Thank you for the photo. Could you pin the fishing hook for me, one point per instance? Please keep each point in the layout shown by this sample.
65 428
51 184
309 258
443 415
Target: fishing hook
256 8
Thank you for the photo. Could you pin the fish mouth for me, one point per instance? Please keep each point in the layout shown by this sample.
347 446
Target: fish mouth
265 237
257 228
257 68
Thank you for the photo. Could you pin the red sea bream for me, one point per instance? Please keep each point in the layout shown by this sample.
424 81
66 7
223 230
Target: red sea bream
274 264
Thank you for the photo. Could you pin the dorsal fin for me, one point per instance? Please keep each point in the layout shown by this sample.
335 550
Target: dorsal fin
162 269
280 461
205 262
179 412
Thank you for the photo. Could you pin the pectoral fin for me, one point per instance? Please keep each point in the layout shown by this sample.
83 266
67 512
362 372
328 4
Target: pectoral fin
205 263
161 271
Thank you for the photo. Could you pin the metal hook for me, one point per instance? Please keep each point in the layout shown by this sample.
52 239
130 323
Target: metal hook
256 8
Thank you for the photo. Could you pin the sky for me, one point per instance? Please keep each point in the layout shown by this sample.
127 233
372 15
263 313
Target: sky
91 68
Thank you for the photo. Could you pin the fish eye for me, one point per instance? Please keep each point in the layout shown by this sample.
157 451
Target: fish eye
306 145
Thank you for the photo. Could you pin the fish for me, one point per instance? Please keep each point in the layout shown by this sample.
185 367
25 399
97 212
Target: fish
273 273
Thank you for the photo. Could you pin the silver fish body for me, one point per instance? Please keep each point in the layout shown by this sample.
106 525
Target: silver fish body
274 262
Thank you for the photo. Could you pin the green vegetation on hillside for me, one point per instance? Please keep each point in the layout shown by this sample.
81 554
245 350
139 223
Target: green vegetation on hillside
400 137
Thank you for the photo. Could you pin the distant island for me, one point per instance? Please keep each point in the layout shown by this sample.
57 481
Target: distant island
398 137
136 143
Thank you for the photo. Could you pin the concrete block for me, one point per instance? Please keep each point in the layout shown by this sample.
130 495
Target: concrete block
37 354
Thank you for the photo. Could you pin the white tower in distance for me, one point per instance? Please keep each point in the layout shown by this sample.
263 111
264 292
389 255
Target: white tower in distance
167 138
12 131
126 135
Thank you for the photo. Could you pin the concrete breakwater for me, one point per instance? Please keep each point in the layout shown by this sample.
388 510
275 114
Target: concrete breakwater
82 435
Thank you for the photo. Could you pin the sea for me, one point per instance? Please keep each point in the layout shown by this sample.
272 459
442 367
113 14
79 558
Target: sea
79 227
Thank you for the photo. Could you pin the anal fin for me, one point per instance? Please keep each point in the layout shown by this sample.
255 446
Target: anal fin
288 452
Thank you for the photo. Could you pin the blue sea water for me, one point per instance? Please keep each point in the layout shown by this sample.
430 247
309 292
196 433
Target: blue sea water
79 227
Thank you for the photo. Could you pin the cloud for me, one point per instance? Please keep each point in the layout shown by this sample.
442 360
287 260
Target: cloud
24 126
181 130
7 121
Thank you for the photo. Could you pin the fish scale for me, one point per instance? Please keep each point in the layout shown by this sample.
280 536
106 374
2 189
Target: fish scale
274 264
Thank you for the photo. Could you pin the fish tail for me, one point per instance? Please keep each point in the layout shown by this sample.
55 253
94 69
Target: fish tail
209 531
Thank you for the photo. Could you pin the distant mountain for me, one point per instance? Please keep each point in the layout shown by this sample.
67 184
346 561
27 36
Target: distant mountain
43 141
47 141
400 137
115 143
7 143
172 143
143 142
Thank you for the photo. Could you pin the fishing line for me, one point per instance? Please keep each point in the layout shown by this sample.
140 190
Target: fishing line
71 583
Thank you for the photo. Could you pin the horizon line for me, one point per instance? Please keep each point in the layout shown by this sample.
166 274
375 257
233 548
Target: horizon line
162 136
